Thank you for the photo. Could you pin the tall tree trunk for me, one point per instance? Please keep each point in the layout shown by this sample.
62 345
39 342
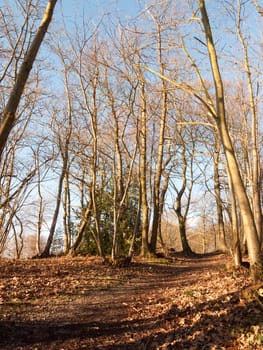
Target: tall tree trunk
143 174
118 187
64 150
91 107
246 213
40 206
157 207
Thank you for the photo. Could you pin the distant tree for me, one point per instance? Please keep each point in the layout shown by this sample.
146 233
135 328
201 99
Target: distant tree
57 246
182 187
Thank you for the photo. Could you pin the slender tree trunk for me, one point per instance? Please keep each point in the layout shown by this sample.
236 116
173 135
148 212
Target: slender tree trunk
256 171
157 212
46 251
118 180
143 174
182 216
66 214
235 231
40 208
135 230
91 106
159 168
220 220
66 199
115 246
64 150
137 226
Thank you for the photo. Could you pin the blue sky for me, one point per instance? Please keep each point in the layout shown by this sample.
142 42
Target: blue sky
96 8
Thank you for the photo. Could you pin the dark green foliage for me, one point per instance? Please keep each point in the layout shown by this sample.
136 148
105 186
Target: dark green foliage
126 226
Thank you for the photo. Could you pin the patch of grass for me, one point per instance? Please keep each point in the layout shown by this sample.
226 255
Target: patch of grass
190 293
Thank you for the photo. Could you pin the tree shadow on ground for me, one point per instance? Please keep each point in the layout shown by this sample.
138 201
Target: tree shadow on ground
208 325
217 324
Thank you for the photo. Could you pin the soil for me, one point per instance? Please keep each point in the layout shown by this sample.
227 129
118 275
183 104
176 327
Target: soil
79 303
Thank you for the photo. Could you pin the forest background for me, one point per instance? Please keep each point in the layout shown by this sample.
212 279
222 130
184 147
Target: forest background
119 144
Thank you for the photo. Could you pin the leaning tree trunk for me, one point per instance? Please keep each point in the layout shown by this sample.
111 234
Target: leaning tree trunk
79 236
46 252
250 229
9 114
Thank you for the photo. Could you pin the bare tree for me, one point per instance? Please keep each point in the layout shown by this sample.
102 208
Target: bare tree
181 208
161 26
63 142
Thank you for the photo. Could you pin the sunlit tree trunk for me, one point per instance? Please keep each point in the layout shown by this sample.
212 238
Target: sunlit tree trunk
246 213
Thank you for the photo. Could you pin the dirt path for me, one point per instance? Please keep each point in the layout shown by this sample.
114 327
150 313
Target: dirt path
81 304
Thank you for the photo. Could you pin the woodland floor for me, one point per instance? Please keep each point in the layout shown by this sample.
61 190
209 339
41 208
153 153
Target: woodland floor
188 303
